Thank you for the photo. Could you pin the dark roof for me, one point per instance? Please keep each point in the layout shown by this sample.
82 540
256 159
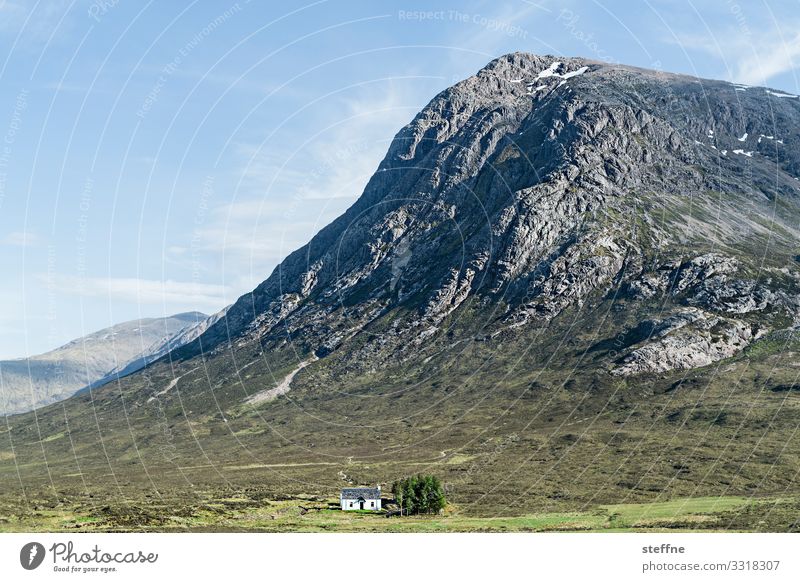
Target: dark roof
365 492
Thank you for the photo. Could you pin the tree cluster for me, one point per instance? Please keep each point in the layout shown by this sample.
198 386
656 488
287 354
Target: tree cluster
419 494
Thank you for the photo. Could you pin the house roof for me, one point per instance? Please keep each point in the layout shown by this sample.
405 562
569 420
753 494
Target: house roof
365 492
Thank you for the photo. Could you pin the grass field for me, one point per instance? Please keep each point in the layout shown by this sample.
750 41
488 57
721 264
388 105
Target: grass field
315 515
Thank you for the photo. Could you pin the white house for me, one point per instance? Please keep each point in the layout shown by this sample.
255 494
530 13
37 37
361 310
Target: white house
361 498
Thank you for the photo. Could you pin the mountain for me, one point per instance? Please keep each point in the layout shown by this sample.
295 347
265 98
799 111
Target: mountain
92 360
538 184
567 283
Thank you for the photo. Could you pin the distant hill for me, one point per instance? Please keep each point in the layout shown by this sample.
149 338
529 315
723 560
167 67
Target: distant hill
29 383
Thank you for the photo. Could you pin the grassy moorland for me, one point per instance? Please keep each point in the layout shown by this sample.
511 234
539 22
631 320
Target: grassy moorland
529 433
245 513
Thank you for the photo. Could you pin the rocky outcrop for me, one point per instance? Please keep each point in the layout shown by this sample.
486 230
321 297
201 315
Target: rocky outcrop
714 285
688 339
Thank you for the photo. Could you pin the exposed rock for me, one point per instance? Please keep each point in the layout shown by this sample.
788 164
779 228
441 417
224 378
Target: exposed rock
689 340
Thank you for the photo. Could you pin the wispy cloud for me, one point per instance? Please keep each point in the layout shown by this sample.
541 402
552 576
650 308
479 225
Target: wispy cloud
60 87
144 291
20 239
770 60
338 159
254 234
285 196
34 22
752 58
490 31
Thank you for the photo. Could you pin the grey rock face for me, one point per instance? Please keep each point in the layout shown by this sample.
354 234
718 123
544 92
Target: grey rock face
689 339
541 184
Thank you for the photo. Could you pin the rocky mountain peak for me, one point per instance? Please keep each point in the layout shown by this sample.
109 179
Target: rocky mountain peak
543 183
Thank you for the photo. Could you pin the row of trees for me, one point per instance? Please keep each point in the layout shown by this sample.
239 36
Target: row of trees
419 494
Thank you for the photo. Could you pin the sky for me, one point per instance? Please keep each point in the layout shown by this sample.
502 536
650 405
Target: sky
162 157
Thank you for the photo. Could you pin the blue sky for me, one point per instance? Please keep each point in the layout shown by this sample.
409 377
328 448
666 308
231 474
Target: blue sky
163 157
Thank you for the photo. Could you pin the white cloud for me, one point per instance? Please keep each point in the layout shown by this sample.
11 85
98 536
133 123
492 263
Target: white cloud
245 240
770 60
20 239
338 159
266 232
752 59
145 291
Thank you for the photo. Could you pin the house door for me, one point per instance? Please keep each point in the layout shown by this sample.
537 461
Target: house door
361 504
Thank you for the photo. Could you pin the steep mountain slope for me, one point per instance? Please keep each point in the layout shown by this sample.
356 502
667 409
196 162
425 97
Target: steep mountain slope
538 183
567 282
91 360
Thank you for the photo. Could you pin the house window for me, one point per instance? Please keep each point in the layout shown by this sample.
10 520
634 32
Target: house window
372 504
351 504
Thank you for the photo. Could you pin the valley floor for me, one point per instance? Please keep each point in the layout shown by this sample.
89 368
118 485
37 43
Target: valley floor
244 513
